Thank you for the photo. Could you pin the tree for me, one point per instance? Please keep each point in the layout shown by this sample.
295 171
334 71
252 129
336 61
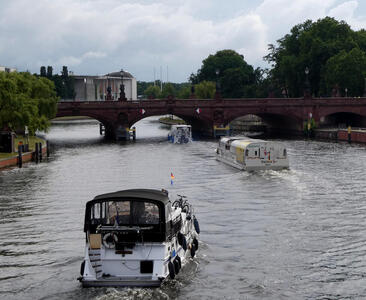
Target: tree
310 44
185 92
168 90
26 100
347 70
205 90
152 92
225 66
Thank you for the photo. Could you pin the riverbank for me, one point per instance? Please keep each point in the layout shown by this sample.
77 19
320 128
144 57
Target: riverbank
356 135
8 160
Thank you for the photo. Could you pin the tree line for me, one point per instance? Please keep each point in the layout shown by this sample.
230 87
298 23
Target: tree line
26 100
326 56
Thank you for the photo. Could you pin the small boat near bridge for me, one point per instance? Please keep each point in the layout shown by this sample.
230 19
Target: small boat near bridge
180 134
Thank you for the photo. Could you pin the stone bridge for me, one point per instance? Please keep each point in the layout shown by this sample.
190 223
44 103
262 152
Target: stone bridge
283 115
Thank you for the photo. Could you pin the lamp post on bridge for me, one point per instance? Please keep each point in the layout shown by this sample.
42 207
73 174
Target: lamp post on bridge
218 92
307 90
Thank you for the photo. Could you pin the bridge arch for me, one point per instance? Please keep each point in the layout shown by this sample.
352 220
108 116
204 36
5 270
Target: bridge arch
200 124
274 122
343 119
108 125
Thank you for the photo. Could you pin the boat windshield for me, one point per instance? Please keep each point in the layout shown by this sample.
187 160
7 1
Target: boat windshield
126 212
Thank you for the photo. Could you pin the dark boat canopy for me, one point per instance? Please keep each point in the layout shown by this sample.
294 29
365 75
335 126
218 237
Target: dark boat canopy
150 194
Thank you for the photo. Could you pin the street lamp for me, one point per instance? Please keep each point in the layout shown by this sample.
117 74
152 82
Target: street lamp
346 90
307 92
217 80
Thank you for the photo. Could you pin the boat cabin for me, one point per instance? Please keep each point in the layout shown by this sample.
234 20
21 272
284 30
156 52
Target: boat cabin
133 214
180 134
252 154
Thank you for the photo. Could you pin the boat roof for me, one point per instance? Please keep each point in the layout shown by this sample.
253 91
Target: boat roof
181 125
150 194
240 138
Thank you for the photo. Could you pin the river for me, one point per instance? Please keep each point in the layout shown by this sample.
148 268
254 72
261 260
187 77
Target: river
296 234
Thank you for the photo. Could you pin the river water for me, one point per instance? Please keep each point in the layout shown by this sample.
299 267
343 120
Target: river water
297 234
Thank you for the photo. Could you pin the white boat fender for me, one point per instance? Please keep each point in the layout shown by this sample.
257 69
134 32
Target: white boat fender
196 225
193 250
171 270
110 240
195 243
176 265
182 241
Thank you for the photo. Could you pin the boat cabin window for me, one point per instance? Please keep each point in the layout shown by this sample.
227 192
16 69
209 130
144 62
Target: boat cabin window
255 153
284 152
247 152
127 212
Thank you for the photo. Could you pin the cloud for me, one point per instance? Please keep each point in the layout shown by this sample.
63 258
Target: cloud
101 36
281 15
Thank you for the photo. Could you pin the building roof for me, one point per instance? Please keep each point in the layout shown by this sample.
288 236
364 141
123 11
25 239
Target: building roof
118 74
113 74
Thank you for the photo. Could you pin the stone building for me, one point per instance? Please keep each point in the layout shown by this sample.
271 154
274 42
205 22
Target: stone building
8 70
95 88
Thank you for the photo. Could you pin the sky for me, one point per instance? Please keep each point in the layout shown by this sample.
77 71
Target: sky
168 38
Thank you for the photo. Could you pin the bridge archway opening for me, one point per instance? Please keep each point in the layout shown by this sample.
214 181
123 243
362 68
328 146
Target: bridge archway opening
268 123
342 120
102 126
248 125
200 127
278 125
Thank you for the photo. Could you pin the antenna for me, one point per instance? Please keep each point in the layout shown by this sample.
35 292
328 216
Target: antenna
161 78
167 74
154 76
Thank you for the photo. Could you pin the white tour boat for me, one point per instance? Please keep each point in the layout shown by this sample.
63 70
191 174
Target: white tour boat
137 237
251 154
180 134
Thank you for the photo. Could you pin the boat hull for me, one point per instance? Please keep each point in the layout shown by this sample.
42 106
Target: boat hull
262 166
121 282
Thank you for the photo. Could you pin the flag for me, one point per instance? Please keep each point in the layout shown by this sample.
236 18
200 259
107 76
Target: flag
198 110
171 178
142 111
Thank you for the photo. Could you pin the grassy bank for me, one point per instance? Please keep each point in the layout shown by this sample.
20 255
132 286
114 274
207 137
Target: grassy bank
32 141
170 121
71 118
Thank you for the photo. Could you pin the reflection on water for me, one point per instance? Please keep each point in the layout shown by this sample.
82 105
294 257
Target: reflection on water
296 234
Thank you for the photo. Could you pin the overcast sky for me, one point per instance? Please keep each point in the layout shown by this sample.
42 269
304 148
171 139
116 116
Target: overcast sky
96 37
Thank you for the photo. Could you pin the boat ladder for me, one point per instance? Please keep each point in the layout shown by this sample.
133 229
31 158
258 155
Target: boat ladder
94 256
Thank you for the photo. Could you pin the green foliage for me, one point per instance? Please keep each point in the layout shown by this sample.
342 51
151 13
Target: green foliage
168 90
178 89
184 92
26 100
348 69
234 74
205 90
152 92
311 44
